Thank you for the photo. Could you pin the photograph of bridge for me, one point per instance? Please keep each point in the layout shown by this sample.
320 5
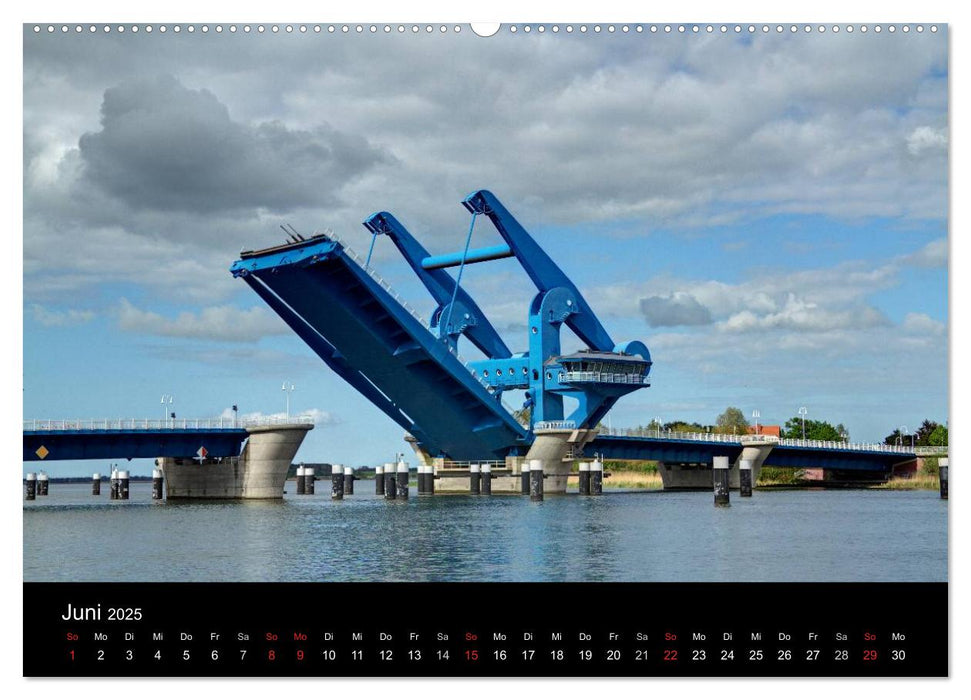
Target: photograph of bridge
494 275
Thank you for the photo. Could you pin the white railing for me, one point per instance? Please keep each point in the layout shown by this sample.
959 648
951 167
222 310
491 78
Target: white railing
835 445
410 309
167 424
555 425
604 378
739 439
931 451
493 463
670 434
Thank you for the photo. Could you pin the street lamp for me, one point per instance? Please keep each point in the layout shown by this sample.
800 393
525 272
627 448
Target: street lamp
288 389
657 423
802 412
900 436
756 415
166 399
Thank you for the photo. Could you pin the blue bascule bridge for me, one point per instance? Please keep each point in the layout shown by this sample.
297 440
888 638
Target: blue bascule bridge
453 409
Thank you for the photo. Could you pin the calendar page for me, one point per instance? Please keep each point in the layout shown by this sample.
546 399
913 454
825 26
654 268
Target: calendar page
496 350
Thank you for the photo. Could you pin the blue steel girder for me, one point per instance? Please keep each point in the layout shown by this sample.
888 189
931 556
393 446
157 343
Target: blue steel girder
131 444
465 317
557 302
540 268
835 459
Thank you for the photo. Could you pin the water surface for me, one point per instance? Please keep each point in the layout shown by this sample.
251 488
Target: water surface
777 535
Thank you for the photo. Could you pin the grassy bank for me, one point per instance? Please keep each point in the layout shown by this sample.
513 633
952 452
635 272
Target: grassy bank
644 475
919 481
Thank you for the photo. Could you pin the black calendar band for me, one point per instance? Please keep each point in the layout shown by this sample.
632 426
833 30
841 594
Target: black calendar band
485 629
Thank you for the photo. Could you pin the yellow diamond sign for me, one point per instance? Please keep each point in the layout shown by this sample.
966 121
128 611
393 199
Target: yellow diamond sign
42 452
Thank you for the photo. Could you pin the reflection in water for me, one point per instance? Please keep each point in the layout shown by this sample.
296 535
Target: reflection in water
774 536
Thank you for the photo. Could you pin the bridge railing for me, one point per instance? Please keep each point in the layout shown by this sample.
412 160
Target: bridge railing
931 451
834 445
352 254
738 439
669 434
604 378
166 424
493 463
555 425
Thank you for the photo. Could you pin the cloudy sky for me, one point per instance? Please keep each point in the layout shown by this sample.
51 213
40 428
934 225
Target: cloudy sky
767 212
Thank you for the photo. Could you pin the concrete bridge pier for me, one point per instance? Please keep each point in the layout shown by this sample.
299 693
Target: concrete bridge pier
551 447
755 448
259 472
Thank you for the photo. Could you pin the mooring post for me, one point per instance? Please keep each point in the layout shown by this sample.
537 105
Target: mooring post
535 480
942 469
744 477
96 484
349 481
337 482
402 481
584 478
123 479
156 484
113 485
390 483
426 480
31 486
301 482
525 478
42 484
309 477
596 478
486 479
379 480
475 479
720 480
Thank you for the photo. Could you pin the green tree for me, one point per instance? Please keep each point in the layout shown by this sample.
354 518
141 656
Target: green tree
895 438
815 429
680 426
927 435
732 421
923 435
938 437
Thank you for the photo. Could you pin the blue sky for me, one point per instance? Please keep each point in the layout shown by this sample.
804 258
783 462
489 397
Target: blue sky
768 215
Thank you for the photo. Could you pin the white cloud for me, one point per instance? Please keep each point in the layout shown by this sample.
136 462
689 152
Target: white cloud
65 317
923 324
225 323
798 314
934 254
926 138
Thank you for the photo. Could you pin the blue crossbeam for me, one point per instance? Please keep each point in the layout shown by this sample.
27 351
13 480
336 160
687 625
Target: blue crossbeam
52 445
437 262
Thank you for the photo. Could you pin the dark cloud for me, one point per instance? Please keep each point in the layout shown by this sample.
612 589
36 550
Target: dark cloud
164 146
679 309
